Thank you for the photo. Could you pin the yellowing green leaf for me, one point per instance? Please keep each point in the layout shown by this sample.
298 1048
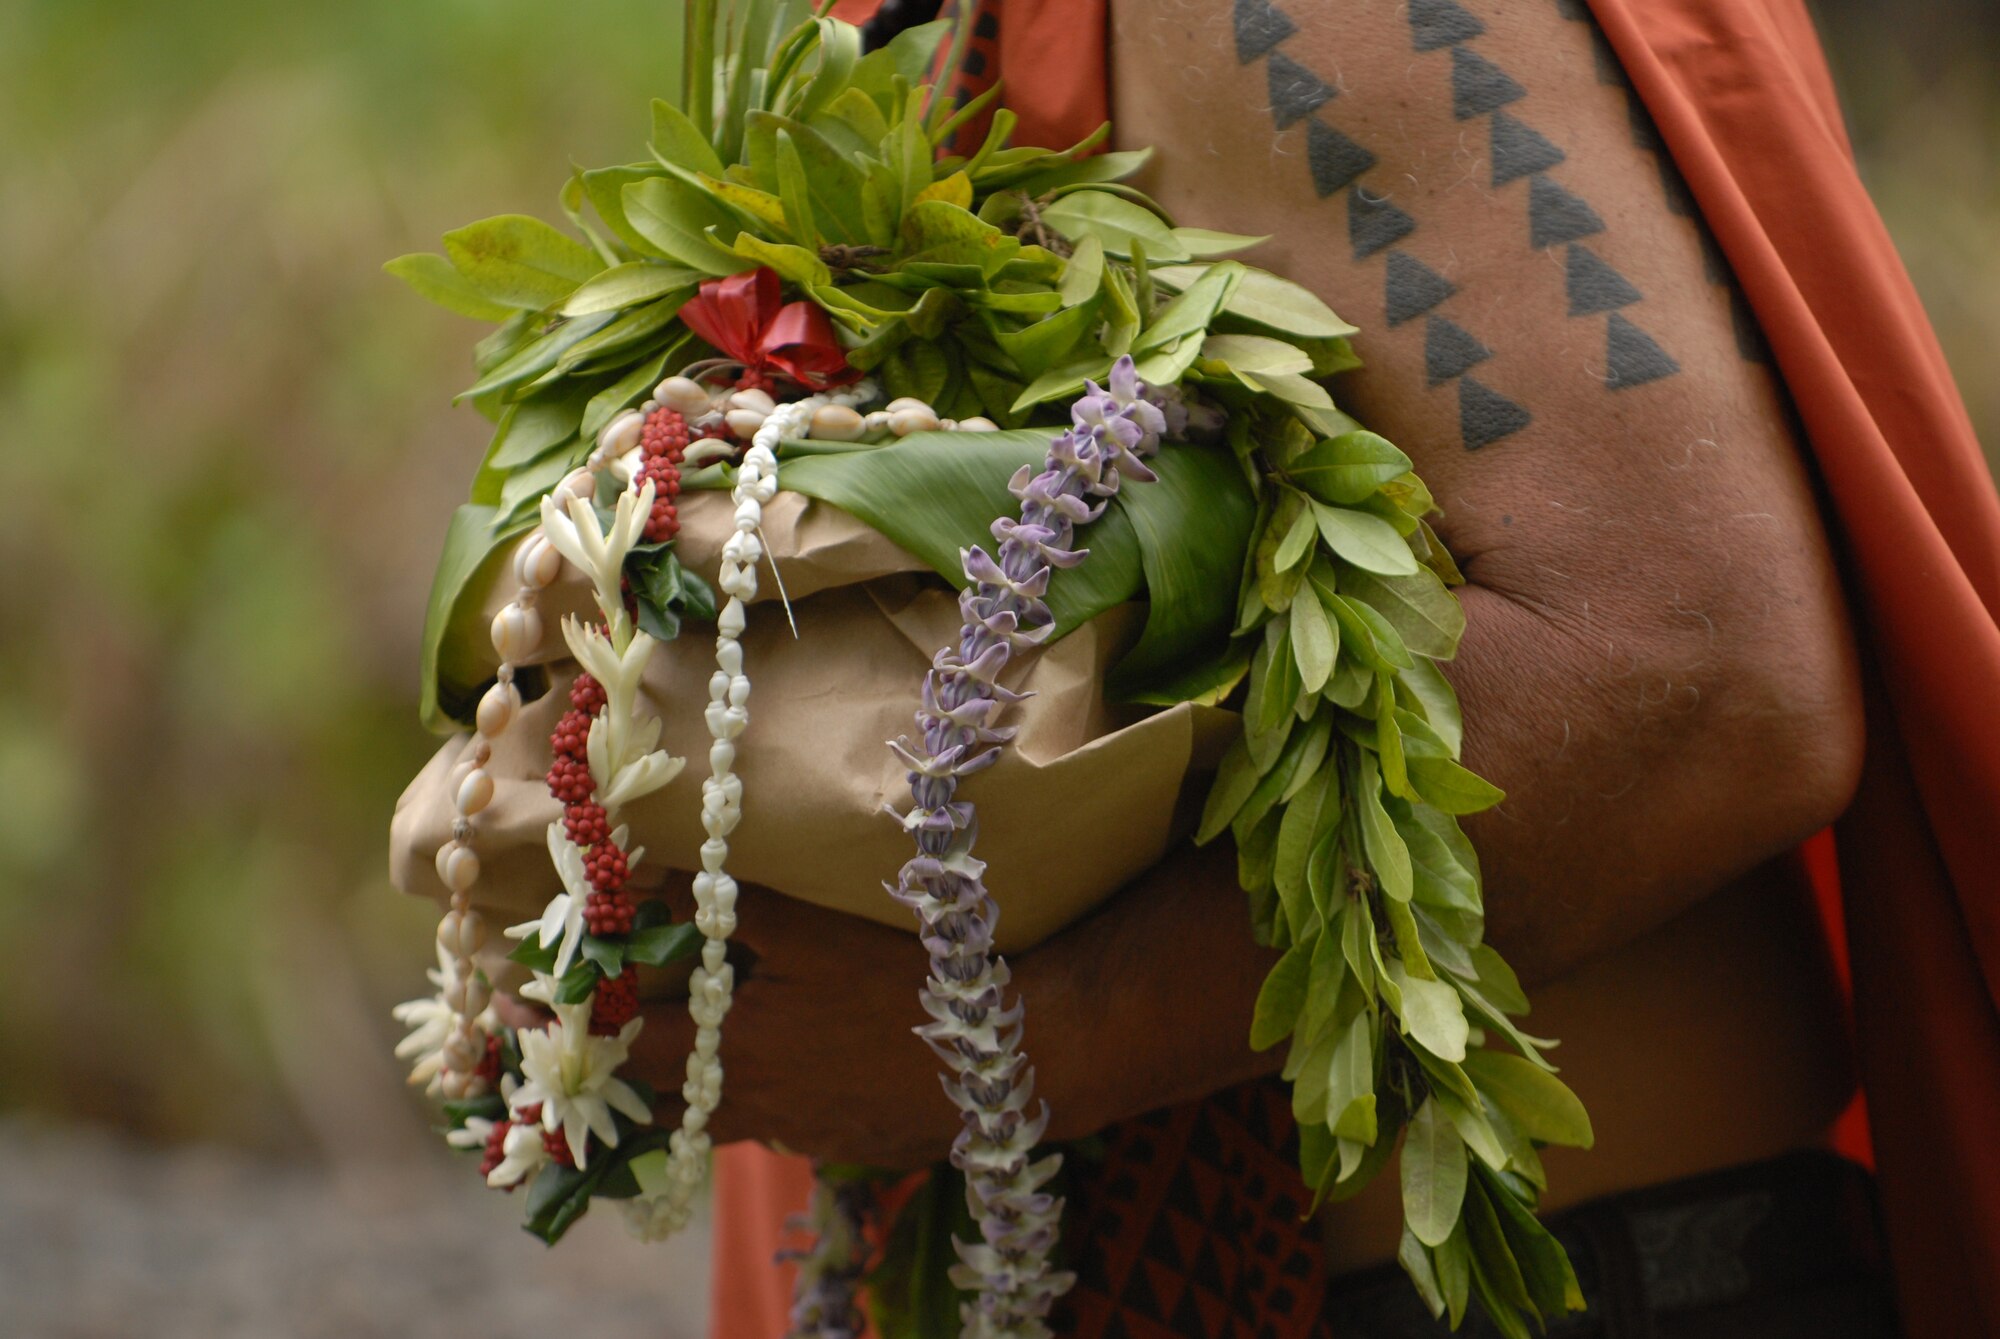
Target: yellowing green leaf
1314 641
1387 855
1115 222
1432 1014
955 189
520 261
1452 788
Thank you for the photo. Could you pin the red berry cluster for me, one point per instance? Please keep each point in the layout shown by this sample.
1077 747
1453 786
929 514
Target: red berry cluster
489 1068
615 1004
663 439
496 1148
553 1142
609 909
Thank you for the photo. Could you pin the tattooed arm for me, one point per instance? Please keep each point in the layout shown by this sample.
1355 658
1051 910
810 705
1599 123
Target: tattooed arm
1657 668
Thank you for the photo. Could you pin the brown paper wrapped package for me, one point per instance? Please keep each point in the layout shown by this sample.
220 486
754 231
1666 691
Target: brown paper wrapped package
1082 801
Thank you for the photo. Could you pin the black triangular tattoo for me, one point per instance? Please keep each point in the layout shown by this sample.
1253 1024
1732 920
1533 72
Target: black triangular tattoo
1573 9
1295 90
1593 286
1374 224
1519 150
1260 25
1632 358
1485 415
1335 160
1644 133
1449 351
1187 1318
1555 216
1478 86
1441 23
1413 287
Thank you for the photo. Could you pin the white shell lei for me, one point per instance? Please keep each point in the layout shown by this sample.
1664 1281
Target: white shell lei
449 1031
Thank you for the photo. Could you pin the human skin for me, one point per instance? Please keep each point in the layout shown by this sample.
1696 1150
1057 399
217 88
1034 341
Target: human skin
1657 667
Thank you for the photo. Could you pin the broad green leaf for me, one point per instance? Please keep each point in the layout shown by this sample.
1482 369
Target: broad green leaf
1453 1262
795 194
1367 541
1190 312
1200 242
1297 542
625 285
1084 274
939 232
1434 1174
1037 347
935 494
1270 301
1416 1262
1387 855
839 52
539 422
451 668
1432 1014
659 945
1451 787
674 217
1115 222
1281 997
1255 353
1347 468
1376 644
1545 1267
677 141
1423 612
434 278
520 261
538 356
762 208
796 263
1098 167
1299 831
1314 641
1297 391
1493 1265
1439 879
955 189
1235 778
1541 1105
1426 684
1497 979
1350 1090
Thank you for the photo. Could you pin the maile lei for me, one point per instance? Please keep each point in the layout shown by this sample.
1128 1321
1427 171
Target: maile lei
800 226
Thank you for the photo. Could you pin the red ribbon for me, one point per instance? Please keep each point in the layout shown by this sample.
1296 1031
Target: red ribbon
742 317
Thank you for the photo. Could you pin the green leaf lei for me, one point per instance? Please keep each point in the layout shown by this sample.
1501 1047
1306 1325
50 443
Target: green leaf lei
995 283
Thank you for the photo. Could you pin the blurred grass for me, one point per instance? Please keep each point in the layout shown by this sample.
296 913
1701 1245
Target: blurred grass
229 456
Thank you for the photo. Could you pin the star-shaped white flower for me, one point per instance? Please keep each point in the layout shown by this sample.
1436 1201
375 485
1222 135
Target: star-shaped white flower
572 1075
601 554
431 1022
561 921
522 1155
622 751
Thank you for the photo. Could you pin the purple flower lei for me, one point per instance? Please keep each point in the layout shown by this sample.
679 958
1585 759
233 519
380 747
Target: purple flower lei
975 1031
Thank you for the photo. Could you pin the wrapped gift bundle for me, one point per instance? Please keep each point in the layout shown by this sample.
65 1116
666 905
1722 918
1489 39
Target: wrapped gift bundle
867 513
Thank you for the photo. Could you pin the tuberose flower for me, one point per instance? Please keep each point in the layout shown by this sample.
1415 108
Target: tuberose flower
572 1076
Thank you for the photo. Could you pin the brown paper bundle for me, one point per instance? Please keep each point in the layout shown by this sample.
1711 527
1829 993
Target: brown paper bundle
1081 802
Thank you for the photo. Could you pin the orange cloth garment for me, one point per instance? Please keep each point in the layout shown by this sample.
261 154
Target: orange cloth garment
1743 100
1744 103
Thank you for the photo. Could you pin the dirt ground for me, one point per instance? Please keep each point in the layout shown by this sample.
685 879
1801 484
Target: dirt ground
101 1238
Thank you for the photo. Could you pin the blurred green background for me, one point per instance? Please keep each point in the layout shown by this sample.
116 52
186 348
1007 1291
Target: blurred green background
229 457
